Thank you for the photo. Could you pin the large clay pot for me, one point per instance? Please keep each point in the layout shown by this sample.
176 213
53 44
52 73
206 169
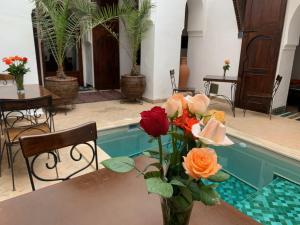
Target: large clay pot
66 89
133 87
184 73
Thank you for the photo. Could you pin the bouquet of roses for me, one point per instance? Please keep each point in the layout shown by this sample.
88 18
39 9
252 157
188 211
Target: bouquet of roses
189 171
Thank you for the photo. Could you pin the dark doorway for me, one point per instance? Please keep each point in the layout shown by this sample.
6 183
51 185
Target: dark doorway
106 54
263 24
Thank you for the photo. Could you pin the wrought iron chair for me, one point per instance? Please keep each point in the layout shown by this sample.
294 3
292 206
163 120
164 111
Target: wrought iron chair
35 146
269 97
24 117
175 89
4 78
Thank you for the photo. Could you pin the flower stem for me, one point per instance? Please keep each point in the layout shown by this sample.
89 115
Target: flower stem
160 156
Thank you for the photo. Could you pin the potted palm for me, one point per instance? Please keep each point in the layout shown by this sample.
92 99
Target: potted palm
61 24
136 23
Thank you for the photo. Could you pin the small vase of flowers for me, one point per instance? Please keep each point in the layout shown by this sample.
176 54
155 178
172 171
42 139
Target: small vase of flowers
189 171
226 66
17 68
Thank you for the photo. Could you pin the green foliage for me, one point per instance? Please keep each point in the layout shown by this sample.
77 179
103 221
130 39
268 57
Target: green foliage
137 23
220 176
119 164
61 23
156 185
17 69
205 193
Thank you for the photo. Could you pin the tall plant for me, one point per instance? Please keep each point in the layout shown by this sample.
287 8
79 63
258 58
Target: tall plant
61 23
137 23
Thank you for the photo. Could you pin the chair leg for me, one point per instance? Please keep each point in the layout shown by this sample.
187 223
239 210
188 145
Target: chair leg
244 112
1 156
12 167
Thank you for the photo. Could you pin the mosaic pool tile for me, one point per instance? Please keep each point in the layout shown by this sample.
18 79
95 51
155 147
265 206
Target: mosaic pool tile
276 204
233 191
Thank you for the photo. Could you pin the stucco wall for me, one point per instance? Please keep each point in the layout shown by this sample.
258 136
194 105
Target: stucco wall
217 41
17 36
290 40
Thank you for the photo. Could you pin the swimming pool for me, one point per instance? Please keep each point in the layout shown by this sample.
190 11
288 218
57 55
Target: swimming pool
264 185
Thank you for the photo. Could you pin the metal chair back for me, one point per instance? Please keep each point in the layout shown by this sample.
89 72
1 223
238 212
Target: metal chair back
33 147
173 80
276 85
26 114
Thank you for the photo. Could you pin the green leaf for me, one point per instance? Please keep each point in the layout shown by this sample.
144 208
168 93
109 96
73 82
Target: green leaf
152 174
183 200
158 186
177 183
219 177
119 164
205 194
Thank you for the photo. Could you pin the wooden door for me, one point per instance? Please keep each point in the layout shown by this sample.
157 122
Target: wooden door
106 54
263 24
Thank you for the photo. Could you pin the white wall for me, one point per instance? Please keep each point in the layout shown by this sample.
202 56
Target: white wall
214 39
161 47
290 40
17 36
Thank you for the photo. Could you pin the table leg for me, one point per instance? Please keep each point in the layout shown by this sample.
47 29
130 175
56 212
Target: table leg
207 87
233 90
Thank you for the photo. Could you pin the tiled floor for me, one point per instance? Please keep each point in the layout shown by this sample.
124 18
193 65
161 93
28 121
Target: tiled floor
255 126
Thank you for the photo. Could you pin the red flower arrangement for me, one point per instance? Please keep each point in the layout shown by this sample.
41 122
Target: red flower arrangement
17 68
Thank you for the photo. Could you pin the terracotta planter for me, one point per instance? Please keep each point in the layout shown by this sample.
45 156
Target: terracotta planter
66 89
133 87
184 73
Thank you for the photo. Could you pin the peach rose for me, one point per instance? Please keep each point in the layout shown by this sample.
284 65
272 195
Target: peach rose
175 105
227 61
214 133
198 104
201 163
218 115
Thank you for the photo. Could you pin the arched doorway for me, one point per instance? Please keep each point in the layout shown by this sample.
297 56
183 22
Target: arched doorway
192 33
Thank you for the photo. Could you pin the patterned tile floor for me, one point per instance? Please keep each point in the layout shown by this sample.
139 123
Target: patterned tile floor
276 204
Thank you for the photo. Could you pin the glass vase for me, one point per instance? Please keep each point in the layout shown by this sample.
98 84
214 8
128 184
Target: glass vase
20 83
174 214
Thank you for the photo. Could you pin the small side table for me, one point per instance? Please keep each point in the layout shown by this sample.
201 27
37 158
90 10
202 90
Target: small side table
209 79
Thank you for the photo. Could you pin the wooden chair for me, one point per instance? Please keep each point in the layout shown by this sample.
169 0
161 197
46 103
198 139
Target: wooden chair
22 118
35 146
252 97
179 90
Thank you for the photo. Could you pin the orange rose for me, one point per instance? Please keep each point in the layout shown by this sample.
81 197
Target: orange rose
201 163
227 61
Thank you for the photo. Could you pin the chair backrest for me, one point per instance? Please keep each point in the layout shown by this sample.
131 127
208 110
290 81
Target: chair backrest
173 81
276 85
37 145
6 77
26 112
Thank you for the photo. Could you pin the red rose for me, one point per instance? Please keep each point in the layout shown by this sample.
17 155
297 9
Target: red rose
25 59
155 122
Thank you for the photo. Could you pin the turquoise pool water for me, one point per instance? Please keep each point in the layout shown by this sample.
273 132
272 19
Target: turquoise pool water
263 185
